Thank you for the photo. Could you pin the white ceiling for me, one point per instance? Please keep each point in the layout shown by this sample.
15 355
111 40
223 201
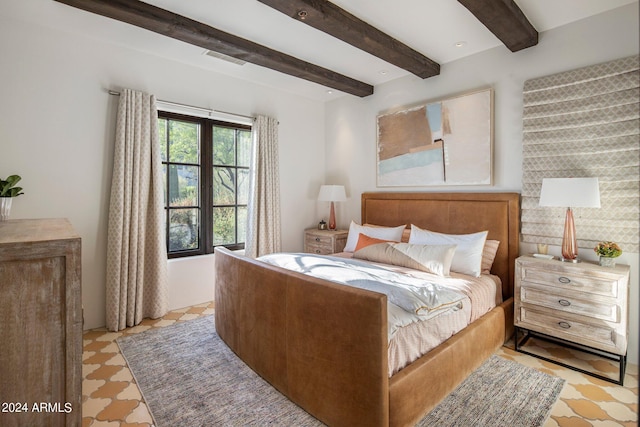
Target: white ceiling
431 27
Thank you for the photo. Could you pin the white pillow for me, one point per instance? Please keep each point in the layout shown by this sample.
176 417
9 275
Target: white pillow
385 233
434 259
467 258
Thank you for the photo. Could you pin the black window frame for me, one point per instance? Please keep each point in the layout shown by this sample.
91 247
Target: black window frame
206 206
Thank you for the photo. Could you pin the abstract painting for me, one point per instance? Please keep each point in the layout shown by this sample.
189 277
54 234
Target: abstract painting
446 142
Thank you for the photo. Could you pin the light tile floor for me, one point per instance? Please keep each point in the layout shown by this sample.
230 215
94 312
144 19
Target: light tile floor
110 396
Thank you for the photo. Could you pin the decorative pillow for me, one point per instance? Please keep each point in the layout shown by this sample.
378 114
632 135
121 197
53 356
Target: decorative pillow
468 256
364 241
488 255
434 259
385 233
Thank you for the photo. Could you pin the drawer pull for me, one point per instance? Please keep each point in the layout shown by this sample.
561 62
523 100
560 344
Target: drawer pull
564 280
317 239
564 325
317 251
564 302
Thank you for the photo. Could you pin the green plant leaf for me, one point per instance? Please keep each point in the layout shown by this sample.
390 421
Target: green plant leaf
7 187
13 180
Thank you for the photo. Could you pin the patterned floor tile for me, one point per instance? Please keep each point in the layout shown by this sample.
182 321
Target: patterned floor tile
112 398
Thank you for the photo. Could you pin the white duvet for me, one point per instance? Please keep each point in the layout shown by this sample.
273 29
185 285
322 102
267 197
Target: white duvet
410 299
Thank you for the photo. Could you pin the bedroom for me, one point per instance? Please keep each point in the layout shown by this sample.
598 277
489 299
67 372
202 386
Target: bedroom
58 124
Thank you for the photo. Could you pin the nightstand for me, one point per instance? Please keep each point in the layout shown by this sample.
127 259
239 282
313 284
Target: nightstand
324 242
581 305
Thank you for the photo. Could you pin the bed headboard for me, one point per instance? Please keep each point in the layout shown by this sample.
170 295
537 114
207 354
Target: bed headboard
455 213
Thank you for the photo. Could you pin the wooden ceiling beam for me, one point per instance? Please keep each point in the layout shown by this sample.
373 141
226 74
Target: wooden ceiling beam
331 19
176 26
506 21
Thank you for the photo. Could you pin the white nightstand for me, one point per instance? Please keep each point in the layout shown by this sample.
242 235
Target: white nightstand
324 242
582 305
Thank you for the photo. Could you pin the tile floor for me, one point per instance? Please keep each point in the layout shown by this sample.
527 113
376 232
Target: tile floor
110 396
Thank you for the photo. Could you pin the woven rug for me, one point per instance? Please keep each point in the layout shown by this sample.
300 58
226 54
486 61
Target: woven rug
189 377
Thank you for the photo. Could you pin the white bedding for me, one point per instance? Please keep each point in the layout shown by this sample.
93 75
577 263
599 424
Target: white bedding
443 305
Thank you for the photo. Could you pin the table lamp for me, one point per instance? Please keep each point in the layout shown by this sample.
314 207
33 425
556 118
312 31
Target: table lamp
332 193
572 193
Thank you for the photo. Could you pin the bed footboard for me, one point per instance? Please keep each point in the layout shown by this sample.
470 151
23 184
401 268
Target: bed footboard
417 389
321 344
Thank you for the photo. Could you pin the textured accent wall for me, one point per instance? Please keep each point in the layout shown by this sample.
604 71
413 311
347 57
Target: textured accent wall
584 123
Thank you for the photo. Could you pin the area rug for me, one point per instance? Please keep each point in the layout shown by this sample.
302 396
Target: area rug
189 377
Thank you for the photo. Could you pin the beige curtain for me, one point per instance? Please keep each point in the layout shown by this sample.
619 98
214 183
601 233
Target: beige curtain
136 247
263 222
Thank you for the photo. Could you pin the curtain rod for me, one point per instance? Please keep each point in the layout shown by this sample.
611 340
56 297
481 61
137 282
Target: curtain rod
175 104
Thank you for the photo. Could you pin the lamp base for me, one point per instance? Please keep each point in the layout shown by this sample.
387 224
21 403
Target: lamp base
332 218
569 242
574 261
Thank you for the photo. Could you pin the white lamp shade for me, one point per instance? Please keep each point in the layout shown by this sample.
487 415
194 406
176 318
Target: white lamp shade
570 192
332 193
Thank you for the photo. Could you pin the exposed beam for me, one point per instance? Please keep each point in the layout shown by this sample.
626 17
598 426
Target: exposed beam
176 26
331 19
506 21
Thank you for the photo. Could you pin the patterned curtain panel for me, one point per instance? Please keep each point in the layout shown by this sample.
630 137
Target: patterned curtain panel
584 123
263 228
136 247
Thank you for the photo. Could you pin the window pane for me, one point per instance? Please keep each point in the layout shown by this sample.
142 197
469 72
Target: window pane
183 142
183 229
243 186
164 185
224 189
183 185
244 148
224 226
242 224
224 148
162 137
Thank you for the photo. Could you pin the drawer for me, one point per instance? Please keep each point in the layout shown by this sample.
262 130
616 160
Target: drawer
318 240
569 304
599 336
318 249
569 280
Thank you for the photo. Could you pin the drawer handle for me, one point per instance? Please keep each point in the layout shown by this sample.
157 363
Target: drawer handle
564 325
564 302
317 239
564 280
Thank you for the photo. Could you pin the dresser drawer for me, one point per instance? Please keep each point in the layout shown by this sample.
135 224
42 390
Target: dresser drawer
312 240
605 286
570 304
599 336
318 250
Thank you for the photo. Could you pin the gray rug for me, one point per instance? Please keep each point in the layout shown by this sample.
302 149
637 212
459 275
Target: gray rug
189 377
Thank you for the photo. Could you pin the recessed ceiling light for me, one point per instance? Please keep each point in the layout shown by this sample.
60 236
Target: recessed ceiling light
460 44
330 92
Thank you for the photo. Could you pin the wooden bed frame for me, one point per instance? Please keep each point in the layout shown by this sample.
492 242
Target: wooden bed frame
324 345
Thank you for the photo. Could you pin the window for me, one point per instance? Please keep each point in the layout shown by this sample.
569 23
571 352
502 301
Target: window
206 183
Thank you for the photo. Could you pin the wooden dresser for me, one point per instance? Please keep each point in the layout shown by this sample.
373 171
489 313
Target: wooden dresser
324 242
41 318
581 303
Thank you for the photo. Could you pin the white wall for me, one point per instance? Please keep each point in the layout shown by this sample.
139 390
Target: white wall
351 122
56 131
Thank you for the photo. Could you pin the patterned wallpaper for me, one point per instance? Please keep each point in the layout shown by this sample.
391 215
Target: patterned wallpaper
584 123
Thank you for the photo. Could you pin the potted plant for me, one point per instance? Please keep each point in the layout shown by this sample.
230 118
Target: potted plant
608 251
8 191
